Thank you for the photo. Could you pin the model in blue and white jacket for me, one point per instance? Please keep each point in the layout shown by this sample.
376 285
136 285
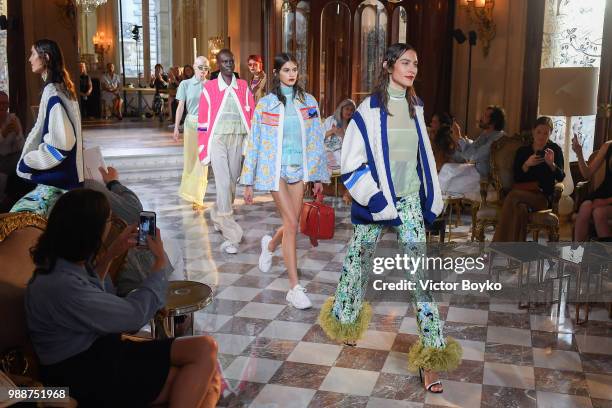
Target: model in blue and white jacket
366 171
52 154
262 163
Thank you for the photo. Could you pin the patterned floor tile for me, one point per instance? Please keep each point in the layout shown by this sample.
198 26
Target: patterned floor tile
274 355
349 381
562 382
361 358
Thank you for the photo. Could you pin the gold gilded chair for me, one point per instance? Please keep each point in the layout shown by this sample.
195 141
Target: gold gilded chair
503 152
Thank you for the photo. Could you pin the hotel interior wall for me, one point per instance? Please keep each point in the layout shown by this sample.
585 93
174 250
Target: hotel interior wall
498 78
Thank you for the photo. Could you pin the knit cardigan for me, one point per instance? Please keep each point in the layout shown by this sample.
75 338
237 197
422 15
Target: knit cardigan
212 102
53 152
366 170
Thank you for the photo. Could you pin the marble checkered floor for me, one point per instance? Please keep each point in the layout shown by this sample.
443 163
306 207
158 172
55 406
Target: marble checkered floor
276 356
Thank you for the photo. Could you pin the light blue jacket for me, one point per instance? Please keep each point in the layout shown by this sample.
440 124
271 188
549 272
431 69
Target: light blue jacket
262 163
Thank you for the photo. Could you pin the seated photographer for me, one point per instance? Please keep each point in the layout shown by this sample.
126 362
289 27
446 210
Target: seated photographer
126 205
75 320
537 167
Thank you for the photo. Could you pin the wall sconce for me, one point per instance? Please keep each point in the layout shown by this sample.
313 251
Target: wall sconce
101 45
480 13
215 44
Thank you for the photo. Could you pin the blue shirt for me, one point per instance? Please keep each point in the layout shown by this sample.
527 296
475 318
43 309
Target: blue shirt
69 308
292 131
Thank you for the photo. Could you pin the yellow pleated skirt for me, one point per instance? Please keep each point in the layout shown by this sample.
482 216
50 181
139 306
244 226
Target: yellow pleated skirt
195 176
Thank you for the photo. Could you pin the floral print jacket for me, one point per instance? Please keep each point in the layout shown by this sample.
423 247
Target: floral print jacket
262 163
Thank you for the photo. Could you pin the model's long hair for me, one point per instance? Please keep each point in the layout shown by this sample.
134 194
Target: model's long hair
51 54
74 229
298 92
394 52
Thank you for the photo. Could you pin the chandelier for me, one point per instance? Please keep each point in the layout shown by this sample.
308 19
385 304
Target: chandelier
89 6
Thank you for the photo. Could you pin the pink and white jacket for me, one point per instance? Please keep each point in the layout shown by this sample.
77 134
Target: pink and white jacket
214 96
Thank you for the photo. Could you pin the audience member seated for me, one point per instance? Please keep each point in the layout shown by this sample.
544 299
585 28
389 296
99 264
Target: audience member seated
536 170
75 320
443 146
438 120
11 142
188 72
598 204
335 126
465 177
111 92
85 90
138 263
159 81
174 79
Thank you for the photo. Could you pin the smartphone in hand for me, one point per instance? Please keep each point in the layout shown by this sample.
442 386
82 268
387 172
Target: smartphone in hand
146 226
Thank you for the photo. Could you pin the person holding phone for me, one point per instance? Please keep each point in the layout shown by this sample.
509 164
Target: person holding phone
537 167
138 263
598 204
75 320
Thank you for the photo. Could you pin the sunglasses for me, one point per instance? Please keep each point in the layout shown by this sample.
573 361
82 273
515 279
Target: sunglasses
202 68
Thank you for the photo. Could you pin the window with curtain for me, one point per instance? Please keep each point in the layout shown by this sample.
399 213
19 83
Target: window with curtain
573 31
371 34
159 35
4 79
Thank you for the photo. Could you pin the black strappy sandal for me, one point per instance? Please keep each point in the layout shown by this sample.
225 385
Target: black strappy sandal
429 387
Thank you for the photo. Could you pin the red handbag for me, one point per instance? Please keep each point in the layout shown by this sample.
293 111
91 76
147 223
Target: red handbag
317 220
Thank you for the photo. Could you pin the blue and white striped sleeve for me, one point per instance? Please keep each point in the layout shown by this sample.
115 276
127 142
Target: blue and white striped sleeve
56 143
356 174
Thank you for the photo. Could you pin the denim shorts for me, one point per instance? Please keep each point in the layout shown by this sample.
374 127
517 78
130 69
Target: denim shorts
292 173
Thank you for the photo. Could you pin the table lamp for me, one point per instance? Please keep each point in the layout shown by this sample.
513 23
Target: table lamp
568 91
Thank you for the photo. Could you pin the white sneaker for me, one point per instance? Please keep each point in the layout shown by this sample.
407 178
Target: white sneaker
265 259
297 298
229 248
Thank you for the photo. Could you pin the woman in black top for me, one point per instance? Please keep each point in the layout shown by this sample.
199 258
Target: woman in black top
85 89
537 168
158 81
598 204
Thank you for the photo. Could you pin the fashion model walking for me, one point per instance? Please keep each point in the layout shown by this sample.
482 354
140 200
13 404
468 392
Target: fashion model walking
284 151
388 167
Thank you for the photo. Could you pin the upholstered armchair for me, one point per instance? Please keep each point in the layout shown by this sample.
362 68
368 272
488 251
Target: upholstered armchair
503 152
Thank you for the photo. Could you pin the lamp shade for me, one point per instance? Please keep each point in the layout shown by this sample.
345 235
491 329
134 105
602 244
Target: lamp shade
568 91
